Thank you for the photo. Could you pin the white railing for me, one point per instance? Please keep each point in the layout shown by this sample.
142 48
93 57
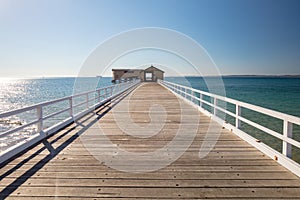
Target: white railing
91 100
196 98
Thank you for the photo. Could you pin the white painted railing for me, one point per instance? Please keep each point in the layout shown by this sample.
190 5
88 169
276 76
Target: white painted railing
196 98
99 97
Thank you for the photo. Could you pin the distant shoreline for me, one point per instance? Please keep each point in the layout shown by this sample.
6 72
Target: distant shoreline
263 76
223 76
248 76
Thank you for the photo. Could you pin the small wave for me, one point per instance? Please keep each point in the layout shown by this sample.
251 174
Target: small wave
14 138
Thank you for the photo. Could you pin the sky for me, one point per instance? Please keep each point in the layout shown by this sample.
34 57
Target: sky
45 38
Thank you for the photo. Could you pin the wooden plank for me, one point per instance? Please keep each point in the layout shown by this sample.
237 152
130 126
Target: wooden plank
132 182
195 175
129 198
165 192
179 168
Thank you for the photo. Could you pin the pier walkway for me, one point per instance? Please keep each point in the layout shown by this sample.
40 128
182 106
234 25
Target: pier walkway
232 170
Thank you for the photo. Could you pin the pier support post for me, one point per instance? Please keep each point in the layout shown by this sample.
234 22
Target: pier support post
287 132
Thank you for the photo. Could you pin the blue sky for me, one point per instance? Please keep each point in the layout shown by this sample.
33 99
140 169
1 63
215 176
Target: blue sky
53 38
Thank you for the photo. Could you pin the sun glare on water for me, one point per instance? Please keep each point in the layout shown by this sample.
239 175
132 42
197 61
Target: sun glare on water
6 80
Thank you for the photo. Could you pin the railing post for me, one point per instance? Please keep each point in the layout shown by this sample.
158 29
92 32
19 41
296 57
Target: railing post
201 98
99 93
106 93
71 107
193 96
116 89
87 100
287 132
181 91
215 106
39 111
238 112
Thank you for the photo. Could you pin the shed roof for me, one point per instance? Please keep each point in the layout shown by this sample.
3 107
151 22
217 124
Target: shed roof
154 68
127 69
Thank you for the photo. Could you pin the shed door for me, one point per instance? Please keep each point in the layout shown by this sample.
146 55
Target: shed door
149 76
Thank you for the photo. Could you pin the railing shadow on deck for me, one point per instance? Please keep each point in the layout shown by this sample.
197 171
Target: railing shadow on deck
100 112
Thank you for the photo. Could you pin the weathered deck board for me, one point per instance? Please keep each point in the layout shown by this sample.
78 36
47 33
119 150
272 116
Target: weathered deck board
232 170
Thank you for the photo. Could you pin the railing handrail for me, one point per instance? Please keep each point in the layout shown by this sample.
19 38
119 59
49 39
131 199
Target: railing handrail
267 111
46 103
189 94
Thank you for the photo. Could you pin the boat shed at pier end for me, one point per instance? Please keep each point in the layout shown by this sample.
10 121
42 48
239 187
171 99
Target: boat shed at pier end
150 74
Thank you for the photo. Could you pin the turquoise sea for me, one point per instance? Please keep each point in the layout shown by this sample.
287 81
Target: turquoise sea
277 93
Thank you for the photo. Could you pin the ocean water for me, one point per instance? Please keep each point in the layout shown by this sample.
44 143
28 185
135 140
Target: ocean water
19 93
280 94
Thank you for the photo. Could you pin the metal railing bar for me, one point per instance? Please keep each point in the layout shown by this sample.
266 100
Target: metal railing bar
56 113
79 104
225 111
271 132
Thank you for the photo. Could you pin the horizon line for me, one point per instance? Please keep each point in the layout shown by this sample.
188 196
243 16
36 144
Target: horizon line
187 75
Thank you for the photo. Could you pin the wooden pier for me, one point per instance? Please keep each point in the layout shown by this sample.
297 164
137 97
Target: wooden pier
232 170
